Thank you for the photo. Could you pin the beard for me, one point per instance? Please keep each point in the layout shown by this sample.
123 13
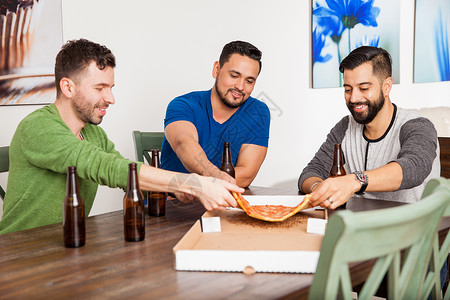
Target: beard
86 111
223 96
372 110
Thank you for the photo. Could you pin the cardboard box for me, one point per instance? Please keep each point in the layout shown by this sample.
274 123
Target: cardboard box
245 242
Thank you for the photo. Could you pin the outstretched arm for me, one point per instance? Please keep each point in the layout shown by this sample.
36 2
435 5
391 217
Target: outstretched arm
212 192
383 179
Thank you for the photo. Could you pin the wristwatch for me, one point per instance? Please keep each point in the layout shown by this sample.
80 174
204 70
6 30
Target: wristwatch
363 179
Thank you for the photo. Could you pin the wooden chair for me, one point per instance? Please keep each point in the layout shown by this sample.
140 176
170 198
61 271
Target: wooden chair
381 235
4 165
144 142
432 282
444 144
444 147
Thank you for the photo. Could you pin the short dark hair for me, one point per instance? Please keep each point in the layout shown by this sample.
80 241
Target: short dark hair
76 55
242 48
380 59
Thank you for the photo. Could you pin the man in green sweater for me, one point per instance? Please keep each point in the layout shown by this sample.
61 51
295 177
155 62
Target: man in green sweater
65 134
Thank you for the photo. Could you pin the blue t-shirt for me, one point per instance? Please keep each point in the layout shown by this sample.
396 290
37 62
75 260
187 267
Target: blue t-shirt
248 125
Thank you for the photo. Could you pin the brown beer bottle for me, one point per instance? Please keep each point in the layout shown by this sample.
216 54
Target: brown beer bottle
227 162
156 200
337 169
74 225
133 208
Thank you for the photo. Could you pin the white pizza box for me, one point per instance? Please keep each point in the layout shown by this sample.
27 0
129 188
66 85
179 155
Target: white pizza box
245 243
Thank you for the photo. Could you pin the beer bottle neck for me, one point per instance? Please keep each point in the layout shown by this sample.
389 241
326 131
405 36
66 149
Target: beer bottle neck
226 156
155 158
133 182
72 181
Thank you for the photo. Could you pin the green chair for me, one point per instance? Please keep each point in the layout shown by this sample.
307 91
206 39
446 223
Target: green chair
381 235
4 165
432 282
144 142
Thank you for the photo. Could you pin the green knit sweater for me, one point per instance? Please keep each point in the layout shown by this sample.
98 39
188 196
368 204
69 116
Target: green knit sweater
40 152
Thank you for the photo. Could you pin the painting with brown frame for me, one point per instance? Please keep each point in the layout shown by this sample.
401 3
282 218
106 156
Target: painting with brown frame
30 36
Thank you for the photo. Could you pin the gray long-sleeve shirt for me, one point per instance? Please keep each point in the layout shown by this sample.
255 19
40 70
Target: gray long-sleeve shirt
410 140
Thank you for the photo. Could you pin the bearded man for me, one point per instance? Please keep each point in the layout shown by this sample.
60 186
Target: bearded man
198 123
390 153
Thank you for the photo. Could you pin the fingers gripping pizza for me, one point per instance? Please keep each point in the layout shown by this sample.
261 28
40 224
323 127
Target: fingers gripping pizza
271 213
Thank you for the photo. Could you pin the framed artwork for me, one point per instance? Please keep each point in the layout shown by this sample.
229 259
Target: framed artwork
431 41
30 36
340 26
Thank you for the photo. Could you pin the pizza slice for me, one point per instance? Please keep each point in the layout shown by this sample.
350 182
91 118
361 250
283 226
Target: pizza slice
271 213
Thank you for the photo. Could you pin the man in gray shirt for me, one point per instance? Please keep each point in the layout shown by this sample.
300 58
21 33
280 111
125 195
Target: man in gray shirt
390 153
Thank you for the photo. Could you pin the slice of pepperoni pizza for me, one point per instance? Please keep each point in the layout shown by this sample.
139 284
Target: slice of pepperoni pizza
271 213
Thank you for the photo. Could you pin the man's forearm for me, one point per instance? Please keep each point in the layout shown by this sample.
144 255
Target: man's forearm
249 161
244 177
310 184
159 180
195 160
387 178
213 193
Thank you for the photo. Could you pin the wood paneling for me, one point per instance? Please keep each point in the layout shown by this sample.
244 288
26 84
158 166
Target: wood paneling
444 144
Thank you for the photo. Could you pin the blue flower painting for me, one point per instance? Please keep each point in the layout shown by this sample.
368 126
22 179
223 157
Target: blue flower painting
318 44
339 26
432 34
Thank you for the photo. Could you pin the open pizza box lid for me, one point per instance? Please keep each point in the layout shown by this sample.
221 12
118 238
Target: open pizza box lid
245 243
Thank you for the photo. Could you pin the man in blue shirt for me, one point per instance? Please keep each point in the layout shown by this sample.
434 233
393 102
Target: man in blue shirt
198 123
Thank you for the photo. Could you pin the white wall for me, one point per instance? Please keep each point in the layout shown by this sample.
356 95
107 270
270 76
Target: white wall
167 48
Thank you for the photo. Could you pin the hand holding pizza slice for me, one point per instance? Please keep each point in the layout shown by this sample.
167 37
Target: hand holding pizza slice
271 213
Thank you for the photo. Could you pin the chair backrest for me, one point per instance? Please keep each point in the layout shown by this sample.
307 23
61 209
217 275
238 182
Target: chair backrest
144 142
444 146
4 165
432 282
380 235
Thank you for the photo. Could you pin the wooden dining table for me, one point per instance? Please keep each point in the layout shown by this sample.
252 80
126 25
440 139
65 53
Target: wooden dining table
34 264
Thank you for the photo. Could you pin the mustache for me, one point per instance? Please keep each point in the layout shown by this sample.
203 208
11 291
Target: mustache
102 105
358 103
236 91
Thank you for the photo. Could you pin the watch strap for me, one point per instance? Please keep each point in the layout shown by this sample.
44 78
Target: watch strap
363 179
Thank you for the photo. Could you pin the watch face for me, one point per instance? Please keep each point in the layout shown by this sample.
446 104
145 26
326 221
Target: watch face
361 177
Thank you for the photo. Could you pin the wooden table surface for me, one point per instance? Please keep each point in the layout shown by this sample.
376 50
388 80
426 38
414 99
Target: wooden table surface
35 264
